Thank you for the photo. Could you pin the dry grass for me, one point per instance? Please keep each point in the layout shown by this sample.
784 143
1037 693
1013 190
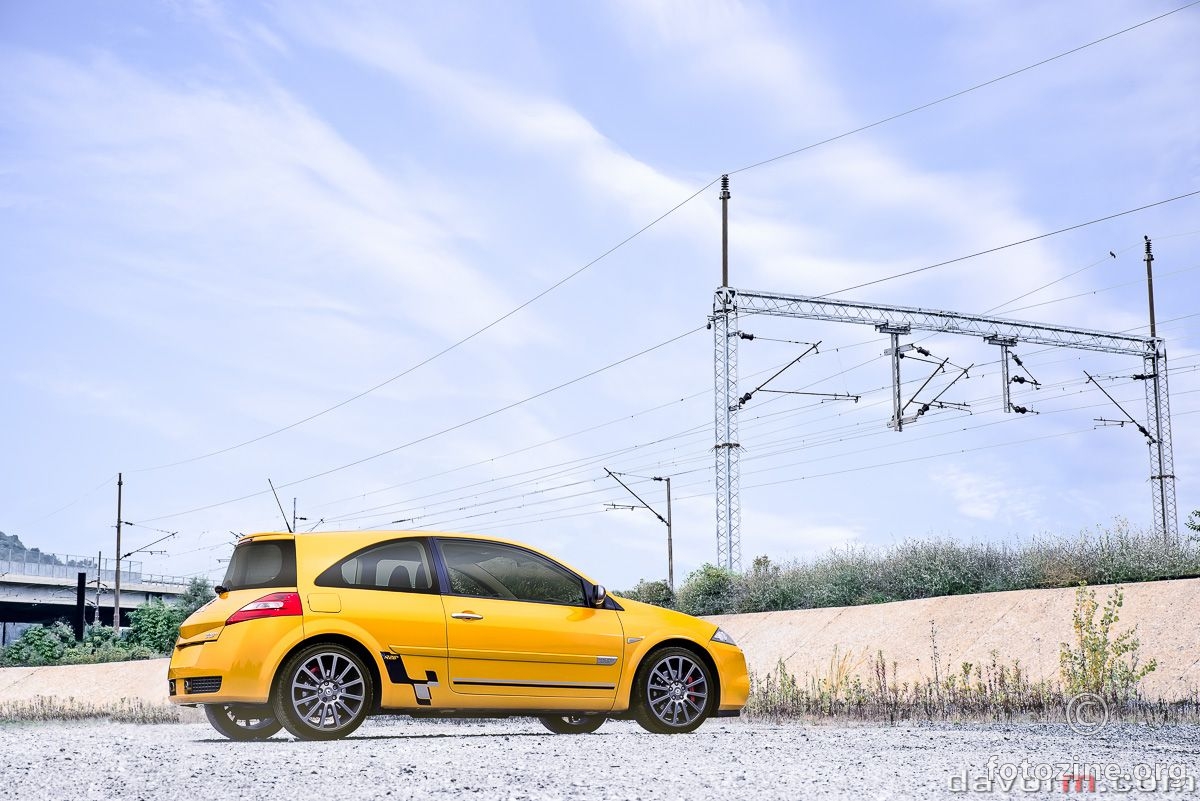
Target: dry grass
46 708
995 691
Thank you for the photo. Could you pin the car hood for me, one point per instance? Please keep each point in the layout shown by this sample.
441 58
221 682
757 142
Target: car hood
644 620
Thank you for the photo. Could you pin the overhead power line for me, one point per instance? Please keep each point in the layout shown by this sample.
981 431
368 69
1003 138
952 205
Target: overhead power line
961 92
1012 244
445 350
435 434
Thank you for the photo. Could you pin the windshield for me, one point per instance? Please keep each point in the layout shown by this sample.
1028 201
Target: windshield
260 565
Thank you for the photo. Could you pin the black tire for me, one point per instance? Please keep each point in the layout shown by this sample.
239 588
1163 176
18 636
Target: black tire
242 721
673 692
573 724
324 692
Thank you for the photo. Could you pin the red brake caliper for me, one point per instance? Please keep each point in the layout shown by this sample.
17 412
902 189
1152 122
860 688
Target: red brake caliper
690 684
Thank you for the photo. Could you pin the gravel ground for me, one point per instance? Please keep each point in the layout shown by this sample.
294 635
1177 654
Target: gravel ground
398 758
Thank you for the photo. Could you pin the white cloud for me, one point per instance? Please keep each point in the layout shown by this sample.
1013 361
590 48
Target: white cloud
983 496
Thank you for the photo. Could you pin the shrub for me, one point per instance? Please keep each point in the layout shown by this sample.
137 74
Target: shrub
1099 662
657 592
155 626
927 568
708 591
40 645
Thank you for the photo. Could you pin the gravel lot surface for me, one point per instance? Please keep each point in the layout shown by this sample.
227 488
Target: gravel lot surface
397 758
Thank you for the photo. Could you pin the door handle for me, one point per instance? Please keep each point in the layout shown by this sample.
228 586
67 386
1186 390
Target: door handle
466 616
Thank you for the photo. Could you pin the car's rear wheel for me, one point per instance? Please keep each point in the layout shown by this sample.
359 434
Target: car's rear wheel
241 721
573 724
673 692
323 692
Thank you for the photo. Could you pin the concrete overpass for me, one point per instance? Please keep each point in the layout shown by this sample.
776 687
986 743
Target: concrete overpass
41 588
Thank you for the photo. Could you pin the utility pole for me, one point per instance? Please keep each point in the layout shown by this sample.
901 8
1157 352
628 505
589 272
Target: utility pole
99 562
724 230
665 521
294 518
670 546
117 575
1150 285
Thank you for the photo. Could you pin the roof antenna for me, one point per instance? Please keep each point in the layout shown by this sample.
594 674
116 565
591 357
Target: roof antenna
285 520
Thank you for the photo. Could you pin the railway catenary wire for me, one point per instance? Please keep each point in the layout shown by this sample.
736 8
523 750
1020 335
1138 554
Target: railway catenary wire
499 525
579 467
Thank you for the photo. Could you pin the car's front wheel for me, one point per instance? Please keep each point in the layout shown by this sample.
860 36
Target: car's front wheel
672 692
573 724
323 692
241 721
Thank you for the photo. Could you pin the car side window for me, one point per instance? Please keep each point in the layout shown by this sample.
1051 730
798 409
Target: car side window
493 570
400 565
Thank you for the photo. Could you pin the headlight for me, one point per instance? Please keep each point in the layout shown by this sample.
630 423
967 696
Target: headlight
722 636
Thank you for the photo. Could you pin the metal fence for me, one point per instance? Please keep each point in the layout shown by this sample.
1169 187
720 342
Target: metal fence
66 566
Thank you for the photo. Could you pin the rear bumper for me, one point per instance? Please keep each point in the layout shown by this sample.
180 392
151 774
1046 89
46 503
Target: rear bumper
237 667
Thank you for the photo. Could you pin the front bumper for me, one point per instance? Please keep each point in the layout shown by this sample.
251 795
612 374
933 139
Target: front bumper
735 678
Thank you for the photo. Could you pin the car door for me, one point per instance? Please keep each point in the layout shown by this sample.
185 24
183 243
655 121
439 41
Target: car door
386 596
519 625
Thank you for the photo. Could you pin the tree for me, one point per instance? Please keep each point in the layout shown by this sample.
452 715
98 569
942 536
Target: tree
198 593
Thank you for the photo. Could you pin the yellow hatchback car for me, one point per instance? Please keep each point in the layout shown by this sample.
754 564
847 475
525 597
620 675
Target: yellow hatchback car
314 632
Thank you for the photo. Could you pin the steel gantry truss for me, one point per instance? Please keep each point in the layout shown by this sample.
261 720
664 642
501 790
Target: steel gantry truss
897 321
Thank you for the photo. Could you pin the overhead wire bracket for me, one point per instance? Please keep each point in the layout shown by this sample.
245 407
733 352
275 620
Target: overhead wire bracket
1145 432
742 401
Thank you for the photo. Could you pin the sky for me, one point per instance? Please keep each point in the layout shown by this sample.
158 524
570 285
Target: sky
246 241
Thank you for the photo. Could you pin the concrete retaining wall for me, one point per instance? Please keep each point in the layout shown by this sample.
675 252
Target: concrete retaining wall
1025 624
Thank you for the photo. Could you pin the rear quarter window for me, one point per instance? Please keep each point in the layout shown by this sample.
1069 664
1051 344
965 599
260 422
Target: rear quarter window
399 565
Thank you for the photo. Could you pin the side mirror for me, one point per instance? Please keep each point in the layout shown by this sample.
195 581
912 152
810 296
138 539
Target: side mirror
599 595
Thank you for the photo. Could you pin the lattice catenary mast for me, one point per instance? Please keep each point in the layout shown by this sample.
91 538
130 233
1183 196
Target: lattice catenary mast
728 471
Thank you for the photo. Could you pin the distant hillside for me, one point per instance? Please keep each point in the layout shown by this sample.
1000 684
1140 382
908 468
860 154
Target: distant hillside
13 550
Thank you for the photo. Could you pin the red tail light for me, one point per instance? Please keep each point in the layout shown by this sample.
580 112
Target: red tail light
277 604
